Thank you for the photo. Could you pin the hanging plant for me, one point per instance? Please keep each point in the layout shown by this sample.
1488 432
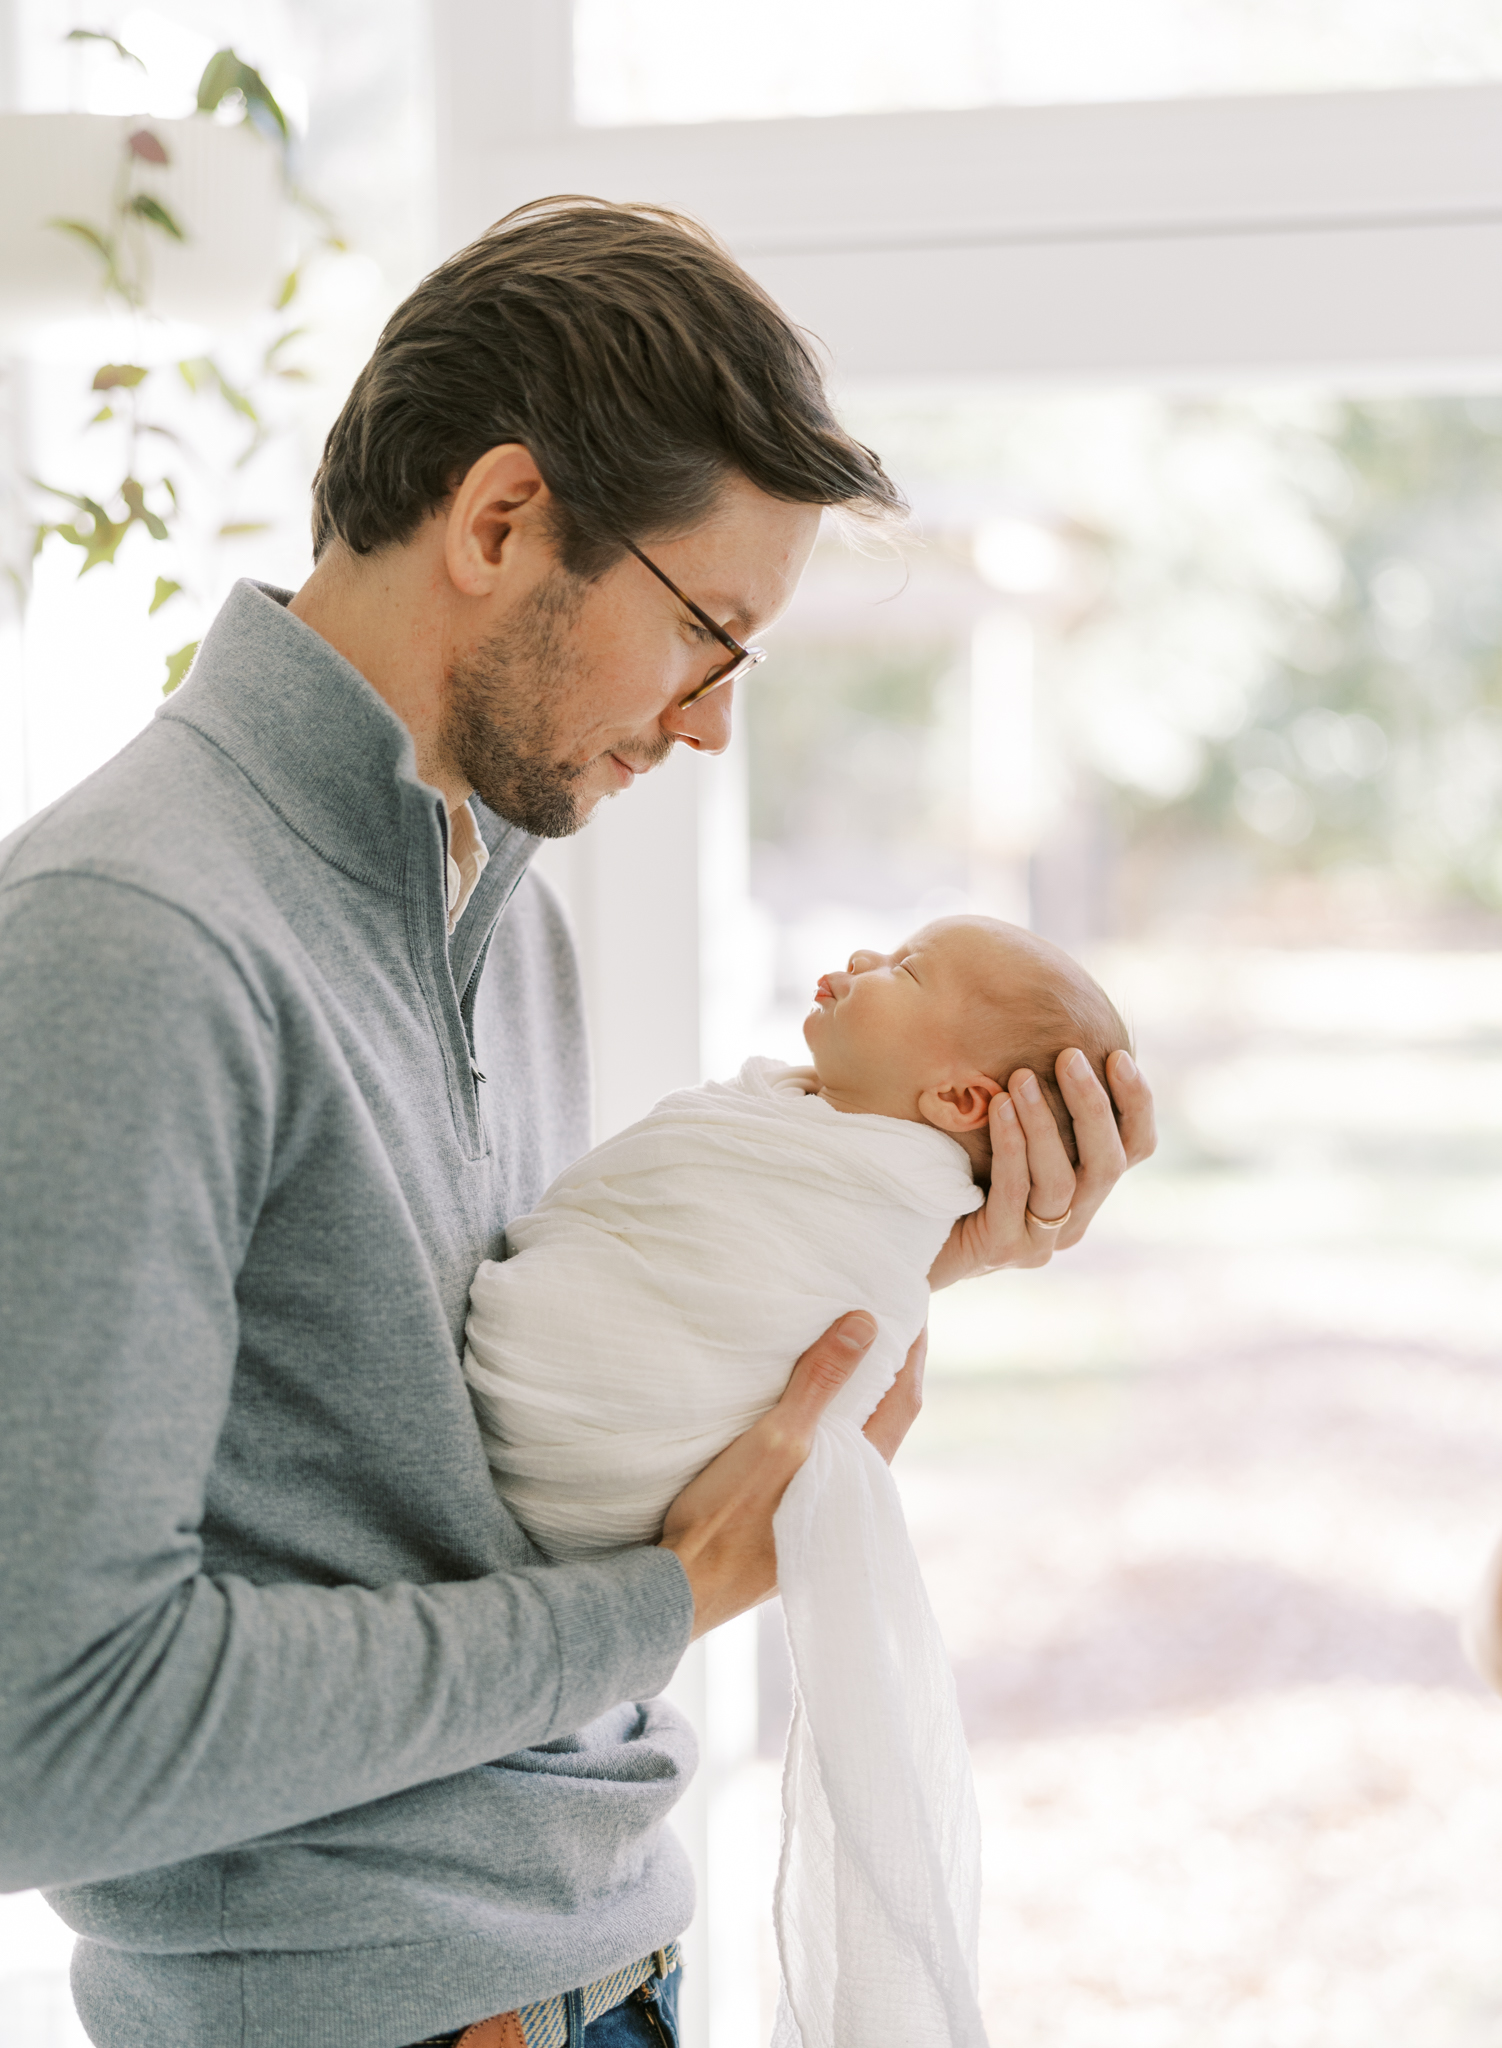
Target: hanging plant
137 222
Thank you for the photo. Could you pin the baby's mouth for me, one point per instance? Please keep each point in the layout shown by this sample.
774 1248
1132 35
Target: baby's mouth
823 993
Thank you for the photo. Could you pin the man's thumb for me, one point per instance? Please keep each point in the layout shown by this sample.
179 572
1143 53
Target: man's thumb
831 1361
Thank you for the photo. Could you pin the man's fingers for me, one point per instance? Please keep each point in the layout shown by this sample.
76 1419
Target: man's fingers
897 1410
1139 1127
1030 1168
823 1370
1009 1175
1102 1158
1050 1175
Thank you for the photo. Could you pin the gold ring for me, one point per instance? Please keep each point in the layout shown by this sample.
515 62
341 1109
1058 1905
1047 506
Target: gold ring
1044 1223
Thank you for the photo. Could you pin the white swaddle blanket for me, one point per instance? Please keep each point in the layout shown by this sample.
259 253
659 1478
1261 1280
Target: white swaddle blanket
653 1306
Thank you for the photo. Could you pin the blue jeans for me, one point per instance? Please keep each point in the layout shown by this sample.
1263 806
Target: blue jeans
648 2018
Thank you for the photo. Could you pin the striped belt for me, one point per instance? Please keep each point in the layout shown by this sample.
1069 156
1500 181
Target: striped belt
545 2025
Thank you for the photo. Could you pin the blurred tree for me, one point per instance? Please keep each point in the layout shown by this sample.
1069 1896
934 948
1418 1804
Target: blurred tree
1371 735
1269 646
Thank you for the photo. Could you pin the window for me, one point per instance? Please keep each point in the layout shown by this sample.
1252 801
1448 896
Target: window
671 61
1199 1504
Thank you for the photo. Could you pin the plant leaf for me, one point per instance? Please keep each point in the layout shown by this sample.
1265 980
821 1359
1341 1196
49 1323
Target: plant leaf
201 373
234 526
148 147
135 499
105 412
65 531
99 35
165 589
94 510
178 665
220 76
237 401
101 244
113 375
144 207
289 289
102 542
225 73
292 334
103 247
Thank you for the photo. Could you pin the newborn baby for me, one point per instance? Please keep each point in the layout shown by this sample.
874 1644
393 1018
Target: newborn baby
651 1310
931 1032
623 1252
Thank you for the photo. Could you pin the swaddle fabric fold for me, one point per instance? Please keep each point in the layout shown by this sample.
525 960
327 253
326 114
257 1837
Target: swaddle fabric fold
652 1307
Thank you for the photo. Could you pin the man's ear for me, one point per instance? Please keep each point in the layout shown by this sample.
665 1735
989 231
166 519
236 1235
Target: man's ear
962 1106
500 495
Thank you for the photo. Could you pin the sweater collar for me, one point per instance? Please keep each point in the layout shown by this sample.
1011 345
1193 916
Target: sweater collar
330 756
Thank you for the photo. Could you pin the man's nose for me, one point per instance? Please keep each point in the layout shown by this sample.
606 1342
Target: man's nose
704 726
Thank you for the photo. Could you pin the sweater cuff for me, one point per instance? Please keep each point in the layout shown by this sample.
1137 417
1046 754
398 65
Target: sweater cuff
622 1622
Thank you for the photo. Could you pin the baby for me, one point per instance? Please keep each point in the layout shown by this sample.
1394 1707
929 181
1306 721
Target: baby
932 1031
651 1310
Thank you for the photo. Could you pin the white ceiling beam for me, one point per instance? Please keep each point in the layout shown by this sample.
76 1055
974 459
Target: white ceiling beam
1311 232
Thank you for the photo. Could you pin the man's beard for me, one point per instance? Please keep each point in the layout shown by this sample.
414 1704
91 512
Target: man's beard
497 725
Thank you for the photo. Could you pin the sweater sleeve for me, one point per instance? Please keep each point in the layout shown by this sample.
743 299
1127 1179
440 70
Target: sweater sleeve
148 1711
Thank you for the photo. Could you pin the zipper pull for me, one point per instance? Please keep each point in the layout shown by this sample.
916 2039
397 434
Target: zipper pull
476 1071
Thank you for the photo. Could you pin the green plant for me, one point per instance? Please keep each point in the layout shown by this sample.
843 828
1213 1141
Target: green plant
148 492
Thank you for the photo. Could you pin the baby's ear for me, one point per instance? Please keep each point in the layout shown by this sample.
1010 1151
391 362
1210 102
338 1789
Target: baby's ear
962 1106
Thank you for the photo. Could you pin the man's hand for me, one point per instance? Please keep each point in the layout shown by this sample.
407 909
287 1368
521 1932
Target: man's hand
897 1410
1030 1169
720 1526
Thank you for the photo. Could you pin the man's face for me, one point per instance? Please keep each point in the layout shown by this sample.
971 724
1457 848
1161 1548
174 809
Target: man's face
579 687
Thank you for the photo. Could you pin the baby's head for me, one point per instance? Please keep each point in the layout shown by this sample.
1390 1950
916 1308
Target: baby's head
931 1031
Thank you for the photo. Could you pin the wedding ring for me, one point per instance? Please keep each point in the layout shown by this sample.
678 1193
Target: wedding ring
1050 1223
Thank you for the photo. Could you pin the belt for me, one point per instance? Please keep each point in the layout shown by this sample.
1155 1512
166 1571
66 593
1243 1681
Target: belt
545 2024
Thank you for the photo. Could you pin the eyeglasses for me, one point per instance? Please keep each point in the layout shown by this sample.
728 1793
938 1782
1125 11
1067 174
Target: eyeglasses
741 658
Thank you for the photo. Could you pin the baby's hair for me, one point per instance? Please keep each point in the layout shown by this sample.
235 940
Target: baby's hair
1030 1026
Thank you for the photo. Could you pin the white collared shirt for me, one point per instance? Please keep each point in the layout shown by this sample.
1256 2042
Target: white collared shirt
468 856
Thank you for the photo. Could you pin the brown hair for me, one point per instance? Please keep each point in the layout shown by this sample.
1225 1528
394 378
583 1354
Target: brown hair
626 350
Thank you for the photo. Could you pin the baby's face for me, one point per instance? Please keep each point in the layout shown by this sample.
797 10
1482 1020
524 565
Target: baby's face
891 1025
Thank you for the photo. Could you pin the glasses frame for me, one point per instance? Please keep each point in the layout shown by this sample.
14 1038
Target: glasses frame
742 658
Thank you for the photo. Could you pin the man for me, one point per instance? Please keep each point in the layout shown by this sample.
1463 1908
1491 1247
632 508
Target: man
308 1743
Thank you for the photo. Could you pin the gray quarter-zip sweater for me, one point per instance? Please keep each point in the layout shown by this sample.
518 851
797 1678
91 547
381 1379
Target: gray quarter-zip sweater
306 1741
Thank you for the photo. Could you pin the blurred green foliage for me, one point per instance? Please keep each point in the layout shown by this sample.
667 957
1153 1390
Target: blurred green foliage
229 89
1273 646
1371 737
